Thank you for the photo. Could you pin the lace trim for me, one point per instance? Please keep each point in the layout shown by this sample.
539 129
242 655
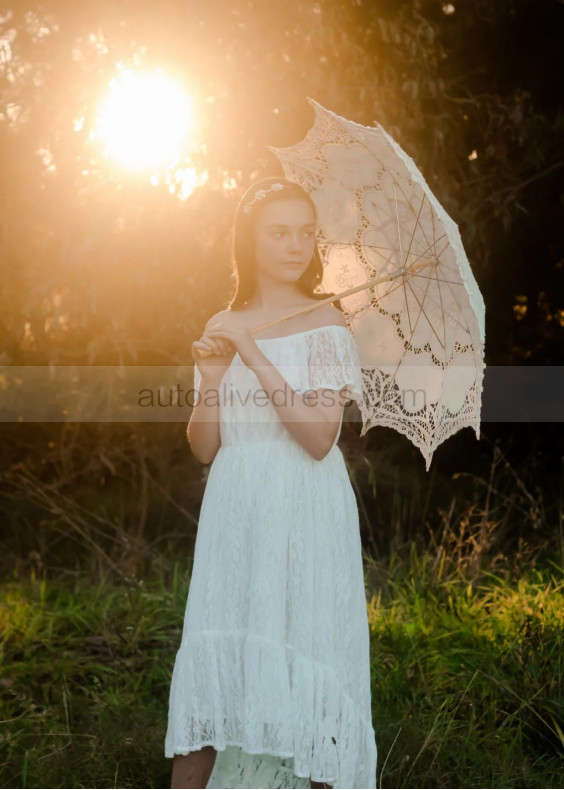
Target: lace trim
333 359
333 362
237 688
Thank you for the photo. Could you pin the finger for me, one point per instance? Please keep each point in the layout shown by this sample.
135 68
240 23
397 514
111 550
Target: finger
217 336
218 339
199 351
209 344
197 347
216 347
224 343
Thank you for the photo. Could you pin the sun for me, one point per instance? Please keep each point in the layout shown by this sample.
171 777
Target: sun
144 120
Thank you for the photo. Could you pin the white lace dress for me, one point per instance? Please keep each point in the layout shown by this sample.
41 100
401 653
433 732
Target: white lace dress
274 669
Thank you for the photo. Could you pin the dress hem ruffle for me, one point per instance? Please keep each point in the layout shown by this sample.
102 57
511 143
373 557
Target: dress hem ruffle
234 688
219 748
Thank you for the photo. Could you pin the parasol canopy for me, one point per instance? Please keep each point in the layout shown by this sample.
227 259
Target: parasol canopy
421 334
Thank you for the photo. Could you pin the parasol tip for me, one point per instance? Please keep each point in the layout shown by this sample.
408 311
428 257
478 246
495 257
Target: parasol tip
319 108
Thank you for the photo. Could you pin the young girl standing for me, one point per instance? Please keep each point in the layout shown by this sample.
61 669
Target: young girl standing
271 684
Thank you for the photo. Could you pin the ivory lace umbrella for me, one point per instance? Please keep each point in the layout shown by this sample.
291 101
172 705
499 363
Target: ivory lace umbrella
409 295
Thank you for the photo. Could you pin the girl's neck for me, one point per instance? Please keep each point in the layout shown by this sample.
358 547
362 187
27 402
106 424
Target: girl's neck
276 297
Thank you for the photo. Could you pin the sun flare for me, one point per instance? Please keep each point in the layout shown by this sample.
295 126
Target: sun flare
144 120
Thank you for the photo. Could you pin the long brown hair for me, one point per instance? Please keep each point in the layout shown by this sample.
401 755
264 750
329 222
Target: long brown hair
243 252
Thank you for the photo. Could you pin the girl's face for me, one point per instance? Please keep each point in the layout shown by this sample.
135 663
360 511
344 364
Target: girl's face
285 239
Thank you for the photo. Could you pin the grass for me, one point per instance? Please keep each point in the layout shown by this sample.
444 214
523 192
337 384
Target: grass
467 678
84 683
470 681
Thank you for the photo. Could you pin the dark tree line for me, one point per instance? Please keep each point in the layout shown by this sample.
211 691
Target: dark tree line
446 80
101 267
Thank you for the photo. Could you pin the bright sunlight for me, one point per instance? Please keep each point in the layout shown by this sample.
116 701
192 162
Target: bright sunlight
144 120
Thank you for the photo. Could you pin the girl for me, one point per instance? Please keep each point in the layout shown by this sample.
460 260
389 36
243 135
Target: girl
271 684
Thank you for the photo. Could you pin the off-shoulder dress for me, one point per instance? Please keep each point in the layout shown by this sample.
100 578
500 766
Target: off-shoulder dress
273 669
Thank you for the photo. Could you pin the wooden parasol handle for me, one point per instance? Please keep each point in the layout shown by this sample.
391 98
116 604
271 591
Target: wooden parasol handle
302 311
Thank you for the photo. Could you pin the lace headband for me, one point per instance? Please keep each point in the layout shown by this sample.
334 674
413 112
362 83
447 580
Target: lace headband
260 193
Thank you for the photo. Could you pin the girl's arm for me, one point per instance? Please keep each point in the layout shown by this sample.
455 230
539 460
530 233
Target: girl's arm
203 427
313 419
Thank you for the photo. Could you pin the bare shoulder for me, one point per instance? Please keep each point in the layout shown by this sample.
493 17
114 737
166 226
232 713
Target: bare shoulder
329 315
224 317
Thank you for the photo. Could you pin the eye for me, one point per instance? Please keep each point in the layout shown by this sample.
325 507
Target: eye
277 233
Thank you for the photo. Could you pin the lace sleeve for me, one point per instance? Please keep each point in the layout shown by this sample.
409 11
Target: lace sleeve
334 362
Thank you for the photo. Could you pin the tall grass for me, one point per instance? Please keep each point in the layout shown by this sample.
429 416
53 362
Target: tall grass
85 674
464 577
467 679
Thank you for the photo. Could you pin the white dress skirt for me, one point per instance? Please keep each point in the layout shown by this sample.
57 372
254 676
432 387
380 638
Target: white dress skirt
273 669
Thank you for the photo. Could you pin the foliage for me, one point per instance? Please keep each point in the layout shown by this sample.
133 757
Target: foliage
467 677
103 500
106 268
483 124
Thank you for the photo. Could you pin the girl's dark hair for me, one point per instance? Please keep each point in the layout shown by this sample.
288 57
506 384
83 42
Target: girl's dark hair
243 254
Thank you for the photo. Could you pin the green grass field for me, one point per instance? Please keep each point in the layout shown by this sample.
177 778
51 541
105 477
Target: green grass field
467 678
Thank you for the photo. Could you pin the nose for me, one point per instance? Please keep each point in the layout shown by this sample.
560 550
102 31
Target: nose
295 243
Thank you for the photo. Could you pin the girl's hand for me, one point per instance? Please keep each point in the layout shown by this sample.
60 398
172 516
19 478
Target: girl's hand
241 340
222 352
